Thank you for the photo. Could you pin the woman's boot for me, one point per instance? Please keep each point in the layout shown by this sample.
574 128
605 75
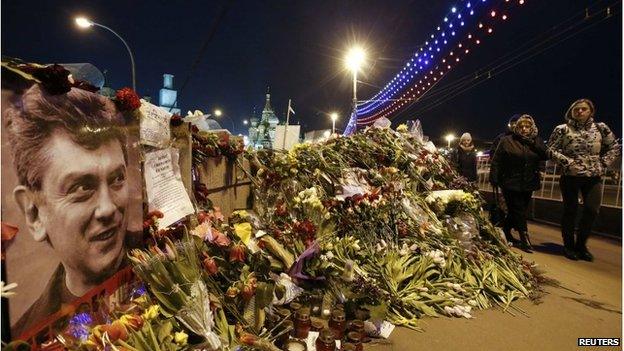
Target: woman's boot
581 248
509 237
568 247
525 244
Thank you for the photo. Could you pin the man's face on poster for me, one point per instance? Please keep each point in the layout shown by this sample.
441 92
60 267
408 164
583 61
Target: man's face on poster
82 205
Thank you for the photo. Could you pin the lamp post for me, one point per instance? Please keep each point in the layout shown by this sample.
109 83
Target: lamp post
334 117
86 23
449 139
354 60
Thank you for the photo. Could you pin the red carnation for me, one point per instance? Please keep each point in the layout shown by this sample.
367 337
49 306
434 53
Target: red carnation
202 216
280 209
210 265
237 253
224 140
127 100
176 120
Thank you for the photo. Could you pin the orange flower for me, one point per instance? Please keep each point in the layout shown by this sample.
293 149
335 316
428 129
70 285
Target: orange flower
232 291
248 291
116 331
248 339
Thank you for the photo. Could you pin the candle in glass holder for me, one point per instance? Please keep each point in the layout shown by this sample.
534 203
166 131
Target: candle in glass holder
302 324
347 346
326 341
356 339
337 323
295 345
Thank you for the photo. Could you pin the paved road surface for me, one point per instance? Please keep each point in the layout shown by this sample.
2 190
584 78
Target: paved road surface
588 305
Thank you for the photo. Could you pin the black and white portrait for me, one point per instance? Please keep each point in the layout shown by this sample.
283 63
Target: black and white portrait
71 184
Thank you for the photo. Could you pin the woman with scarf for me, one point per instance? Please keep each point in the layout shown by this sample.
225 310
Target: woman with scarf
515 169
465 158
584 149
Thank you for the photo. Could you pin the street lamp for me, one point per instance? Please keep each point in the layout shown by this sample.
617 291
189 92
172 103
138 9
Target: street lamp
449 139
353 61
334 118
219 113
86 23
245 122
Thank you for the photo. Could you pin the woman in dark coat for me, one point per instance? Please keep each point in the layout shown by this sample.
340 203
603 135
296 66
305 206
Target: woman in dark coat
515 169
465 158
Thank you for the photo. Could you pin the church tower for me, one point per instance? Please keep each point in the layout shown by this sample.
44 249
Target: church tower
168 97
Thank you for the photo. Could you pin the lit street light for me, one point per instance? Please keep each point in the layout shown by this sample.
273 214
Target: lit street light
353 61
86 23
449 139
245 122
334 118
219 113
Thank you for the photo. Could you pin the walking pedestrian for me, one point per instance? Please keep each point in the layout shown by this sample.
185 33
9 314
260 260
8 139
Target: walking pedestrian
585 150
465 158
515 169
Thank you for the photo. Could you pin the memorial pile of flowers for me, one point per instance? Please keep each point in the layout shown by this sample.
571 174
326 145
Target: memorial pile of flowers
373 228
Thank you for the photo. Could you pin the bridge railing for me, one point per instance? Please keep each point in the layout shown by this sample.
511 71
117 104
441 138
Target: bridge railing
611 185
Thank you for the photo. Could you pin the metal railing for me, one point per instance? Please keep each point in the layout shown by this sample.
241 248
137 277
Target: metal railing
611 185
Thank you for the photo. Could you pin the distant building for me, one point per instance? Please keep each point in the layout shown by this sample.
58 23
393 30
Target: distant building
168 97
262 132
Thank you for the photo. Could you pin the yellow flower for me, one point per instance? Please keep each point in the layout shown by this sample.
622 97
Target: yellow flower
241 213
402 128
243 231
180 338
151 313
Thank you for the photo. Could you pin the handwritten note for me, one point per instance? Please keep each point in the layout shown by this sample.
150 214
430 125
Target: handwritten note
155 130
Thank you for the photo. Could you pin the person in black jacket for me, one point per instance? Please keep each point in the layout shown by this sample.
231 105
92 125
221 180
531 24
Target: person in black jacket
465 158
510 127
515 169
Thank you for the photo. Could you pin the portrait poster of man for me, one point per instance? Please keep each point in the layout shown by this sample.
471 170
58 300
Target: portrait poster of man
71 184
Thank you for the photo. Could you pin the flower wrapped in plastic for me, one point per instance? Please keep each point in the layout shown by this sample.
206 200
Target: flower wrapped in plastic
175 279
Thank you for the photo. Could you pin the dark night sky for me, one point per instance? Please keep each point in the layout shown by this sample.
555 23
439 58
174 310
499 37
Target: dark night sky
296 48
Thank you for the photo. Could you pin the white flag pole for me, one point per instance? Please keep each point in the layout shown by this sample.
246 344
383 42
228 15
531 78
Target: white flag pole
286 126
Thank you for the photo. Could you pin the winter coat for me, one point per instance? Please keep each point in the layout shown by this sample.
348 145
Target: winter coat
584 150
516 163
497 140
466 163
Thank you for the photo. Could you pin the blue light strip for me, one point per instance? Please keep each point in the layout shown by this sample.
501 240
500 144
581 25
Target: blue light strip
423 59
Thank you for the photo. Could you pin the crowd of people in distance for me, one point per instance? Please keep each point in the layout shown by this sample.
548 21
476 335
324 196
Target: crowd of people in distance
583 149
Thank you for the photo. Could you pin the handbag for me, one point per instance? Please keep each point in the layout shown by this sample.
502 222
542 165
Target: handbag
498 209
